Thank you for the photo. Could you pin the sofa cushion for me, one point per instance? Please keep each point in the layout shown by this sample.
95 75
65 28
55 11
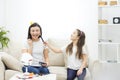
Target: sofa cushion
11 62
10 73
60 72
57 59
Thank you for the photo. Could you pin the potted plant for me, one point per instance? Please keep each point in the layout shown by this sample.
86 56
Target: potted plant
4 40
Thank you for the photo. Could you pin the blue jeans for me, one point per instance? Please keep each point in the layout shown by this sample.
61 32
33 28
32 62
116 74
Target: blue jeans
71 74
36 70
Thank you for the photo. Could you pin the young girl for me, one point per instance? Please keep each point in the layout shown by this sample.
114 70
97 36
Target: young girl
36 48
76 55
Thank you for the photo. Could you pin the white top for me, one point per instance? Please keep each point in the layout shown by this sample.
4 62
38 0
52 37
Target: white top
73 62
37 52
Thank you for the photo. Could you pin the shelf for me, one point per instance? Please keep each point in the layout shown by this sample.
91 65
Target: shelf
108 6
109 61
108 24
108 43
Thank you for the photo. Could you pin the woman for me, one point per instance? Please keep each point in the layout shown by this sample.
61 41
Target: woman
76 55
37 49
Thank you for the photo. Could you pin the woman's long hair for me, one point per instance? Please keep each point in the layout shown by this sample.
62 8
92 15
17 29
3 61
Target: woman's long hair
80 44
34 25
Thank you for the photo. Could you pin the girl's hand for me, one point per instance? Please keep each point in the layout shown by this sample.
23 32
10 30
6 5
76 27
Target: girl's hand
79 72
30 42
45 43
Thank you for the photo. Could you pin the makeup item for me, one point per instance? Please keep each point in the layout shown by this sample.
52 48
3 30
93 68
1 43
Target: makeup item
102 3
43 64
116 20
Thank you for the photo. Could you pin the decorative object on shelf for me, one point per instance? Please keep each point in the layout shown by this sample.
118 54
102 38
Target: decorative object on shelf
102 21
116 20
113 3
102 3
112 61
4 40
104 40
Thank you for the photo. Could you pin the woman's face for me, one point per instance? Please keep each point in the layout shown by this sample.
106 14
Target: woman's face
35 32
74 36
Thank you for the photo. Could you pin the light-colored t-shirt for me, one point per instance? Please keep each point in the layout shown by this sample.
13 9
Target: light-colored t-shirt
37 52
73 62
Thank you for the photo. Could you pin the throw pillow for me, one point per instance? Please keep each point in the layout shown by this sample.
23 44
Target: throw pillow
11 62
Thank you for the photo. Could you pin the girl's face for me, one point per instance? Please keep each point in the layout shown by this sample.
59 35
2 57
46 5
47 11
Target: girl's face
74 36
35 32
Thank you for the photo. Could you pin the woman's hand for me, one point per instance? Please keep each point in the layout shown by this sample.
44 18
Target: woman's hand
79 72
43 64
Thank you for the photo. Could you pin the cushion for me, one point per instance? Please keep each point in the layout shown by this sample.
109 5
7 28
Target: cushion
10 73
57 59
11 62
15 48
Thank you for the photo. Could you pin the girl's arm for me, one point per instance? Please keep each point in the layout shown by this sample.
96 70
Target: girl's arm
84 64
56 50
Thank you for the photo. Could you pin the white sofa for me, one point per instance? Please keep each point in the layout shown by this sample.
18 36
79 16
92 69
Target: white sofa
10 64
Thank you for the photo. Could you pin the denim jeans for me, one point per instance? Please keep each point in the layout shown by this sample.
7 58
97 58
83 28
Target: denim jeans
36 70
71 74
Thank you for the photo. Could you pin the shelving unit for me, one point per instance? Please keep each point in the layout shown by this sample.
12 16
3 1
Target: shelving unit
109 34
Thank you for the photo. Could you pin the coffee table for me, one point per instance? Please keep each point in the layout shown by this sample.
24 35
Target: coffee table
43 77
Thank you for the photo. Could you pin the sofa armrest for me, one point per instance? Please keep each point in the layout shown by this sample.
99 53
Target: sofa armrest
91 66
2 69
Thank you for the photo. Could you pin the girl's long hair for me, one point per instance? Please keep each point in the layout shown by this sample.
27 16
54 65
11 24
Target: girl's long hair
80 44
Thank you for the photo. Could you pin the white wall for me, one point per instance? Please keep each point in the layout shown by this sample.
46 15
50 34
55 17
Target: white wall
2 11
58 19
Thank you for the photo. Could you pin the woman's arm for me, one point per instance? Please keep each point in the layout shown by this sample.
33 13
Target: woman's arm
45 52
56 50
84 64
